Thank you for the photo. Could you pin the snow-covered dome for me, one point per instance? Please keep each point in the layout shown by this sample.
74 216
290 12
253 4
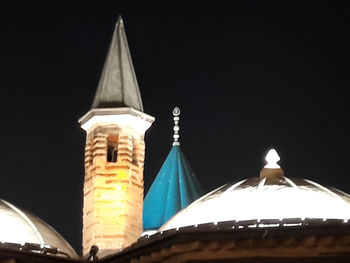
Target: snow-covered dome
26 230
270 196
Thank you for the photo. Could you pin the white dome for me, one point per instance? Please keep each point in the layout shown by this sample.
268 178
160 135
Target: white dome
20 227
265 198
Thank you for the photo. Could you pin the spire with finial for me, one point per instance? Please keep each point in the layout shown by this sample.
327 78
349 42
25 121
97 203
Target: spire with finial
174 187
115 128
176 136
118 84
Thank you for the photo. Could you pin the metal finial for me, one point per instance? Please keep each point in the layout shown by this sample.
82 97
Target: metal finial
176 136
272 158
272 169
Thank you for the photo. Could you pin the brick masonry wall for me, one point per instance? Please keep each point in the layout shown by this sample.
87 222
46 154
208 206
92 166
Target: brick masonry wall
113 191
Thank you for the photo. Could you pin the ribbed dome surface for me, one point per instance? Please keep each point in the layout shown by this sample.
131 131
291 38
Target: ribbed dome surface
265 198
18 226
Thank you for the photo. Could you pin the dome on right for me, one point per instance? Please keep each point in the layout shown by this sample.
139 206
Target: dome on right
272 196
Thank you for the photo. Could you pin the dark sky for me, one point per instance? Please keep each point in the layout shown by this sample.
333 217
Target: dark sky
247 78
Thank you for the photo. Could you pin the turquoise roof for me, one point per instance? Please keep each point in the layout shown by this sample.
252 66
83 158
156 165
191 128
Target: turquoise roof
174 188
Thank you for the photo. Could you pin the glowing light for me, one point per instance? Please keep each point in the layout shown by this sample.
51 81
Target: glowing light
16 227
268 225
19 227
272 158
292 224
268 201
124 120
149 232
128 117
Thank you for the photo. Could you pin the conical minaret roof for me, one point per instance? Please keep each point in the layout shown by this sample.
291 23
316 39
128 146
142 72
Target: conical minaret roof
174 187
118 84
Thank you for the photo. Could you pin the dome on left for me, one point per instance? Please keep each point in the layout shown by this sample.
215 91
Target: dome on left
20 227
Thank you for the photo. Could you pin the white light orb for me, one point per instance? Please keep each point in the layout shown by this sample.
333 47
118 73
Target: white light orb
272 158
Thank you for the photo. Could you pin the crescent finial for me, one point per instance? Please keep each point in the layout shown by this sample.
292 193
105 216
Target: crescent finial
176 118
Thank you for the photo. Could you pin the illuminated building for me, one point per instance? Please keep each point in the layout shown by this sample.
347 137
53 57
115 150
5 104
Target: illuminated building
114 154
266 218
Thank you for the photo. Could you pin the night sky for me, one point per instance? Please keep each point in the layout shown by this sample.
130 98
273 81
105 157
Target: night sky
246 77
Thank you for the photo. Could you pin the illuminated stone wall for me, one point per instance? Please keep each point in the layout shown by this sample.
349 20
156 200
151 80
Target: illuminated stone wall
113 190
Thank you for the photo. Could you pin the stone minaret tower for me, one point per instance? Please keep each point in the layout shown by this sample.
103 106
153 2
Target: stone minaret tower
114 154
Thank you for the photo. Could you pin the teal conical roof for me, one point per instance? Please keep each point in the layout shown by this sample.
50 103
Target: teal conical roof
174 188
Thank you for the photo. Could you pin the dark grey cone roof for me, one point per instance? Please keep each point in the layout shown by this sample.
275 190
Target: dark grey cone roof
118 84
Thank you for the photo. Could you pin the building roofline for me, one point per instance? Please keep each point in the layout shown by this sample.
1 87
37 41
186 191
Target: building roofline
224 232
115 111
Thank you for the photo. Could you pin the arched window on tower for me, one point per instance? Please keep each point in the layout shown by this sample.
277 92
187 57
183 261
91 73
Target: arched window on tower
134 155
112 148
